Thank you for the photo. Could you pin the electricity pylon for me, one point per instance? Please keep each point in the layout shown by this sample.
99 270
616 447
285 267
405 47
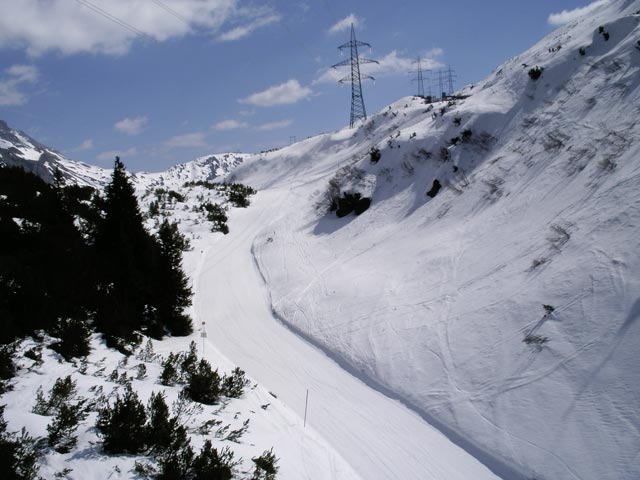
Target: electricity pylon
451 76
358 110
419 77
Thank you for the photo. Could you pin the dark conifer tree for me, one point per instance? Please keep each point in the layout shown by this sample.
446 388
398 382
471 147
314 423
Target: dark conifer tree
42 273
127 255
174 293
122 426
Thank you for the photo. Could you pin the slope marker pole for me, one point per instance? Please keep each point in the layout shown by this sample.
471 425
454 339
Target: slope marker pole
306 403
203 334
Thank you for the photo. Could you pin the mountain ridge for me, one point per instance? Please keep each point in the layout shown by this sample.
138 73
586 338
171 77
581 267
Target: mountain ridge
442 299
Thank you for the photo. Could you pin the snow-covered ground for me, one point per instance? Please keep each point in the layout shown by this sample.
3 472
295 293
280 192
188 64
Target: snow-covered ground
433 299
418 327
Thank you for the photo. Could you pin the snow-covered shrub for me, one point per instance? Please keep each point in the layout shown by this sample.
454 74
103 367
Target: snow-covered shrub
61 431
457 121
374 155
422 154
604 33
239 194
233 385
7 367
34 354
265 466
537 340
18 454
203 385
435 188
350 202
64 390
559 236
147 354
535 73
607 164
495 188
74 334
217 215
122 426
537 262
177 367
346 178
154 209
214 464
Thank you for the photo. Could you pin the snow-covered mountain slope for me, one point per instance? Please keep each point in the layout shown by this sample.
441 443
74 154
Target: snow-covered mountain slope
298 450
204 169
19 149
439 301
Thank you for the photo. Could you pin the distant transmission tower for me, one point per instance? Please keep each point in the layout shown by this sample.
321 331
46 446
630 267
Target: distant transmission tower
441 92
451 76
357 101
419 77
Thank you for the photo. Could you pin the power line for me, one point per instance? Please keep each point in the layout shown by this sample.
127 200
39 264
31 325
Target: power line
112 18
171 11
358 110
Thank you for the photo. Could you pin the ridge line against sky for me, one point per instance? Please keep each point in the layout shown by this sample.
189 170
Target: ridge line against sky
164 81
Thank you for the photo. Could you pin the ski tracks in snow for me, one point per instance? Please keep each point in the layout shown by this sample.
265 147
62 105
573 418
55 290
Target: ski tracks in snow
377 436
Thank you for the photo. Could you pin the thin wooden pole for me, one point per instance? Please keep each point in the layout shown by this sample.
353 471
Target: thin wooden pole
306 403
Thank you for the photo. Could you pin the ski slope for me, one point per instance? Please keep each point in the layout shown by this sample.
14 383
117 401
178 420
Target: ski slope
377 436
439 301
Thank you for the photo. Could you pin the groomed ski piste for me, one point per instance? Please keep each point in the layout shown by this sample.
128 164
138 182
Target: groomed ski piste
419 328
439 302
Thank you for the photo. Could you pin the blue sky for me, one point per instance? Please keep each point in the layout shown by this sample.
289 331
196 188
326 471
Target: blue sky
163 81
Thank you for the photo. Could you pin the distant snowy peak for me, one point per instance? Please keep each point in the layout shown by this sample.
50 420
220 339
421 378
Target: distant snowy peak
20 150
206 168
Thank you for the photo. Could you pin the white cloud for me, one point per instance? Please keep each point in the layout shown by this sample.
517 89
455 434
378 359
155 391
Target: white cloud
567 16
23 73
275 125
71 27
283 94
112 154
345 24
392 63
244 30
187 140
12 83
229 125
131 126
85 145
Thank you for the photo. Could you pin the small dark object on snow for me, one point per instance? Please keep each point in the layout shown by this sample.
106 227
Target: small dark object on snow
548 308
435 188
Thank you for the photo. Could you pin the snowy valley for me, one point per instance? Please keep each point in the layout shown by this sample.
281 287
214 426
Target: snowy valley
478 319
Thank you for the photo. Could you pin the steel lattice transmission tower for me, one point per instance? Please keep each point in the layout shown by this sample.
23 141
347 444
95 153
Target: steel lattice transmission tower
358 110
419 77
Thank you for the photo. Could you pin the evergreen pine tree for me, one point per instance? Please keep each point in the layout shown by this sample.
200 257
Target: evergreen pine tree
174 293
214 465
122 426
160 427
204 384
127 263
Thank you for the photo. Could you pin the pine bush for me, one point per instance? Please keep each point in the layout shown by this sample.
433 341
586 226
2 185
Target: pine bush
123 425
